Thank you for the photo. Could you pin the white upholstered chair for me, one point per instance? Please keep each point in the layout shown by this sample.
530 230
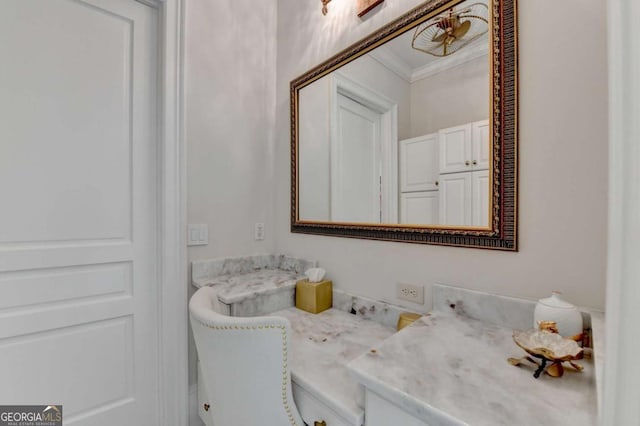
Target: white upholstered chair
244 365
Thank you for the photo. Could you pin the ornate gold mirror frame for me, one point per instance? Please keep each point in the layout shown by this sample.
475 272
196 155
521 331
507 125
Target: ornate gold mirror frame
501 234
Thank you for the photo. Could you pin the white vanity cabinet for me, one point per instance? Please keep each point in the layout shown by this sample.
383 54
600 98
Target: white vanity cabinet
380 412
444 176
480 198
464 148
464 174
480 146
455 149
313 411
456 198
419 207
464 198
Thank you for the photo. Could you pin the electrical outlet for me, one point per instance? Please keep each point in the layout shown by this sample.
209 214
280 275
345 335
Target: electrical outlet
259 231
410 293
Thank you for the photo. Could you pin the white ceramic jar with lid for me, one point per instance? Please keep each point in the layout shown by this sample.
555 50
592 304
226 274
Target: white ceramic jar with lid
567 317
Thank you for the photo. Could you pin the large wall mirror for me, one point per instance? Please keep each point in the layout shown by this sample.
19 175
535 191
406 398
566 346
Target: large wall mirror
410 134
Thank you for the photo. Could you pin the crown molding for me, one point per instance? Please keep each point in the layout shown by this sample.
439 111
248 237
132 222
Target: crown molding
460 57
392 62
398 66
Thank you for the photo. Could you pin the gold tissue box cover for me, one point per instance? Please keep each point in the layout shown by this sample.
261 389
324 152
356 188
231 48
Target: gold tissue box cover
314 297
407 318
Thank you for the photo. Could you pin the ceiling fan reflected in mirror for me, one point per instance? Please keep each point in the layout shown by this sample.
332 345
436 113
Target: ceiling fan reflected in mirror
450 31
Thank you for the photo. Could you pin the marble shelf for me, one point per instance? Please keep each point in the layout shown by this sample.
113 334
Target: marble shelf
252 285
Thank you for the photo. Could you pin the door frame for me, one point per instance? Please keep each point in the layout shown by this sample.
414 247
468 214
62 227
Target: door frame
621 371
341 84
171 256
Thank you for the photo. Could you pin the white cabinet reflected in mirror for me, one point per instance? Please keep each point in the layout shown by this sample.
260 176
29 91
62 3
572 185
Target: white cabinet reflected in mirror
401 135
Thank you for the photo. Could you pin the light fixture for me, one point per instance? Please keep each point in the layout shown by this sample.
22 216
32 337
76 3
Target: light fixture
450 31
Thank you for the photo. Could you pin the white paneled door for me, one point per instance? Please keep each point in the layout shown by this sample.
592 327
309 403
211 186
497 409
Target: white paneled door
78 281
355 164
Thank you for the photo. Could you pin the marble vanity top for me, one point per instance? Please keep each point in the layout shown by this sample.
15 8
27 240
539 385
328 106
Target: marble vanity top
233 288
323 345
450 369
242 278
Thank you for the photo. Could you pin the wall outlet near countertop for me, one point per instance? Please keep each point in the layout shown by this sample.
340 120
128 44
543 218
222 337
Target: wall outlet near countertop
410 293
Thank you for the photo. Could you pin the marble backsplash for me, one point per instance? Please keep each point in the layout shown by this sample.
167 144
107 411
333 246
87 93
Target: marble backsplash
375 310
504 311
516 313
500 310
211 268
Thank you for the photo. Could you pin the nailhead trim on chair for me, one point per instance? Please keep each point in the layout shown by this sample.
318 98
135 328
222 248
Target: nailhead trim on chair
285 402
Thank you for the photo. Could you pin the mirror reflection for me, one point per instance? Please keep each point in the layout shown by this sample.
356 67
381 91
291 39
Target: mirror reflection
401 134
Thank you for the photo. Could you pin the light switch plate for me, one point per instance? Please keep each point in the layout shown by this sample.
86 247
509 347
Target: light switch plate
258 231
197 235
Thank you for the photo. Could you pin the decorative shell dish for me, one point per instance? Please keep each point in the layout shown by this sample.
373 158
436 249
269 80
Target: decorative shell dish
551 346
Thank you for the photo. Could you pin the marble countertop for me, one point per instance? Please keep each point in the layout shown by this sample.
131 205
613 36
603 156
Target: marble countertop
450 369
234 288
323 344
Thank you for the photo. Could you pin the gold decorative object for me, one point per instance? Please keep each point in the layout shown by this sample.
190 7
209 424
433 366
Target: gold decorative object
314 297
325 9
548 347
549 326
407 318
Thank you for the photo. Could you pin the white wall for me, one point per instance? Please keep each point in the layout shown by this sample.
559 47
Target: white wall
229 78
314 150
563 160
229 117
450 98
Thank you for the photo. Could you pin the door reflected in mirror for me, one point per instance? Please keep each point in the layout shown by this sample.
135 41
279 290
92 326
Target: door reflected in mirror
402 134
